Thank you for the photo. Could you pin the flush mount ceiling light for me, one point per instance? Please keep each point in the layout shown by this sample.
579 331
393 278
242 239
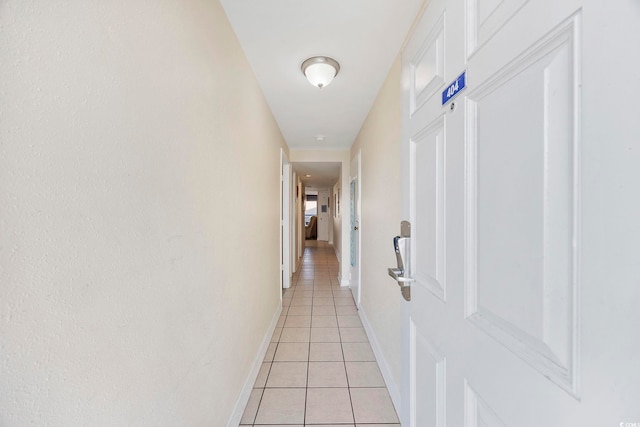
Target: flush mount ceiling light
320 70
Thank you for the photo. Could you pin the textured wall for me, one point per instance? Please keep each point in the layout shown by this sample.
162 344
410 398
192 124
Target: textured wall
135 146
379 142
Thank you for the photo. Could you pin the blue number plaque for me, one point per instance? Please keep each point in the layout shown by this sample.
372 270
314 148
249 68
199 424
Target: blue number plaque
454 88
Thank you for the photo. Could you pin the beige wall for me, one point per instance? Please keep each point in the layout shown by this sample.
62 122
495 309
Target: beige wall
379 141
135 150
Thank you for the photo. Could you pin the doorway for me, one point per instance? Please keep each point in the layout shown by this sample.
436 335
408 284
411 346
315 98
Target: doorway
329 169
324 214
354 222
285 221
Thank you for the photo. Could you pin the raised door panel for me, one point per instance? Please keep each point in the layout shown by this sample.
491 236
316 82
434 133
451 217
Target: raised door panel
428 153
427 66
522 208
486 17
428 390
478 413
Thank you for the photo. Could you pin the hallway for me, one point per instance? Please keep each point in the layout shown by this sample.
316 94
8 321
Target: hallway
319 369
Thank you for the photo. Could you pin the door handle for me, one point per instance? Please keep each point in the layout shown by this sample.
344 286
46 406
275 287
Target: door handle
398 276
401 274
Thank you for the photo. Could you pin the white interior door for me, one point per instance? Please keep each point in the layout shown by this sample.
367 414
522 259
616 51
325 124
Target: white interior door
299 220
523 200
324 214
285 218
293 216
354 236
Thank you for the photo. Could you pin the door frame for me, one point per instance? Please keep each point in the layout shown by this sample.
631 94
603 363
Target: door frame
293 204
355 282
285 221
326 216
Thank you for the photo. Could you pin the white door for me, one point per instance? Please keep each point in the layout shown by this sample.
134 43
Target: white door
324 214
285 217
293 216
523 197
354 236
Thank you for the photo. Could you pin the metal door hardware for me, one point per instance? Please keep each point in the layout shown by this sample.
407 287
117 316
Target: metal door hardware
401 246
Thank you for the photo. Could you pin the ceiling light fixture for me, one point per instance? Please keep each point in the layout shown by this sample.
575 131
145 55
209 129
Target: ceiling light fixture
320 138
308 176
320 70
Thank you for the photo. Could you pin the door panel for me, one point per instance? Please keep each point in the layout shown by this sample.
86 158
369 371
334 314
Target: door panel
429 386
477 412
427 209
522 213
486 17
427 66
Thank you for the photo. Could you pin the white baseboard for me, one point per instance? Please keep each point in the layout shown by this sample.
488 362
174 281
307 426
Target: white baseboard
242 400
337 252
394 390
344 282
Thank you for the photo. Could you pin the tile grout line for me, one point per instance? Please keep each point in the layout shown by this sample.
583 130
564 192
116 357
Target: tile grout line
306 391
346 374
325 267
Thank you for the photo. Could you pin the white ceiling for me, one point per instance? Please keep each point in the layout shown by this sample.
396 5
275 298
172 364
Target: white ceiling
364 36
323 174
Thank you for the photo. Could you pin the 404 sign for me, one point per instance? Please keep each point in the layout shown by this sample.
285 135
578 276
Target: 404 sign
454 88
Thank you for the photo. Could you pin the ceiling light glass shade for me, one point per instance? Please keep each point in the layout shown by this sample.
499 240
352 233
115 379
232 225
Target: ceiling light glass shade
320 70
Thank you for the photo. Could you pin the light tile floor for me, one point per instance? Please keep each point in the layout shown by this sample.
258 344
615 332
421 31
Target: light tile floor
319 369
